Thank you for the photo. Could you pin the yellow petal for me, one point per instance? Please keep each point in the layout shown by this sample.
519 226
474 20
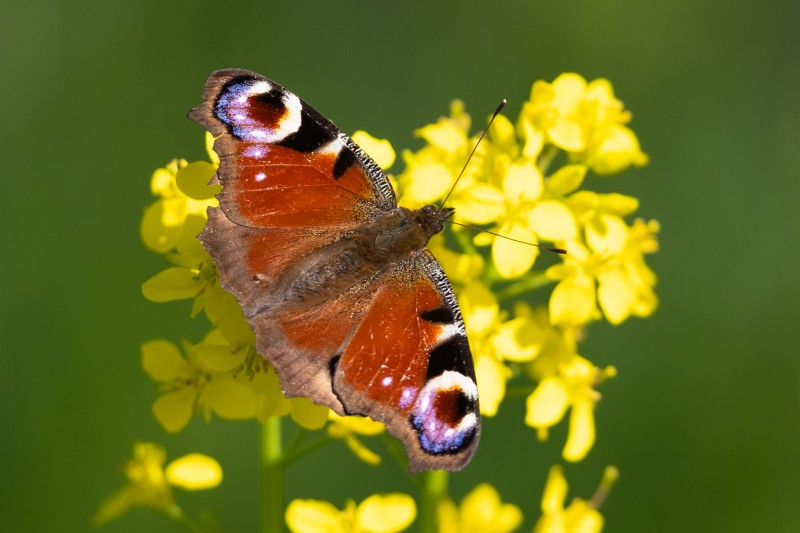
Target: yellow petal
518 340
174 409
534 140
230 398
427 183
581 431
444 135
585 520
569 89
163 361
308 414
616 295
619 150
116 505
479 308
271 401
193 180
513 259
447 517
459 267
313 516
566 179
523 181
220 357
572 302
491 376
553 221
567 135
380 150
386 513
502 132
357 424
162 183
617 204
194 471
173 283
223 309
479 204
159 229
361 451
212 155
555 491
607 235
547 404
482 510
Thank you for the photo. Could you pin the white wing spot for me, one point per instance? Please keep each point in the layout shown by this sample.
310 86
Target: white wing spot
260 87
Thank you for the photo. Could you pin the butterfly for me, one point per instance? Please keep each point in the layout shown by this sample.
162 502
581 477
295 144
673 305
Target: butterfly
332 276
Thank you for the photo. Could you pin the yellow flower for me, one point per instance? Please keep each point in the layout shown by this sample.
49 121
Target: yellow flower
348 428
380 150
194 471
149 483
188 385
481 511
170 226
481 313
584 119
609 269
183 191
270 400
379 513
580 516
565 380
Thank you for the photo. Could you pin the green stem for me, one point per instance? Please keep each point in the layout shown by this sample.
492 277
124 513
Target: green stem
546 158
434 490
522 286
176 513
271 476
299 453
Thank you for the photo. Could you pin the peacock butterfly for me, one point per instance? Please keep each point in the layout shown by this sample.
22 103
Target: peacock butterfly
333 277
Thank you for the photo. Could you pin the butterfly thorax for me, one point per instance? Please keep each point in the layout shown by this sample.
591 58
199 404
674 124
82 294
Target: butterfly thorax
405 231
360 254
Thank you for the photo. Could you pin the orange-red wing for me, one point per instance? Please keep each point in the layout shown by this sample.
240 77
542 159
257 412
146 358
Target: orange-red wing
408 364
282 164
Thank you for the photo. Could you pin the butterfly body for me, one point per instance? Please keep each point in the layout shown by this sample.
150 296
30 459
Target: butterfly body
333 276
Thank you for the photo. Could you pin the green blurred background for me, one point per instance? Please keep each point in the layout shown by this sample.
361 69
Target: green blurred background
703 418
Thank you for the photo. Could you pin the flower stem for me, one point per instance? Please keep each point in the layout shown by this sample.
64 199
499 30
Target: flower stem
610 476
271 476
522 286
434 490
546 158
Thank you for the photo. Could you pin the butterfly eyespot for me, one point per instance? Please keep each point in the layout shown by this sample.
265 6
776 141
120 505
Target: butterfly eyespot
444 414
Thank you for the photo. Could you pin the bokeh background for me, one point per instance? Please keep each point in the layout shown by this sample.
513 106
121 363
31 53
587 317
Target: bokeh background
704 418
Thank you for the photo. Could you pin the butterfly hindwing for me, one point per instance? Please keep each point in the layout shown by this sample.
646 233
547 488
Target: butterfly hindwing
408 365
332 276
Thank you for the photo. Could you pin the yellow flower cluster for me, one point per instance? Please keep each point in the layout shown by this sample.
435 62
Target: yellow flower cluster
150 484
513 188
379 513
481 511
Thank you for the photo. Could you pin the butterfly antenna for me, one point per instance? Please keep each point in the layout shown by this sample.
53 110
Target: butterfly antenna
500 107
481 230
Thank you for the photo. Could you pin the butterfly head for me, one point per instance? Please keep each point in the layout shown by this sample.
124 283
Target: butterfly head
432 218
